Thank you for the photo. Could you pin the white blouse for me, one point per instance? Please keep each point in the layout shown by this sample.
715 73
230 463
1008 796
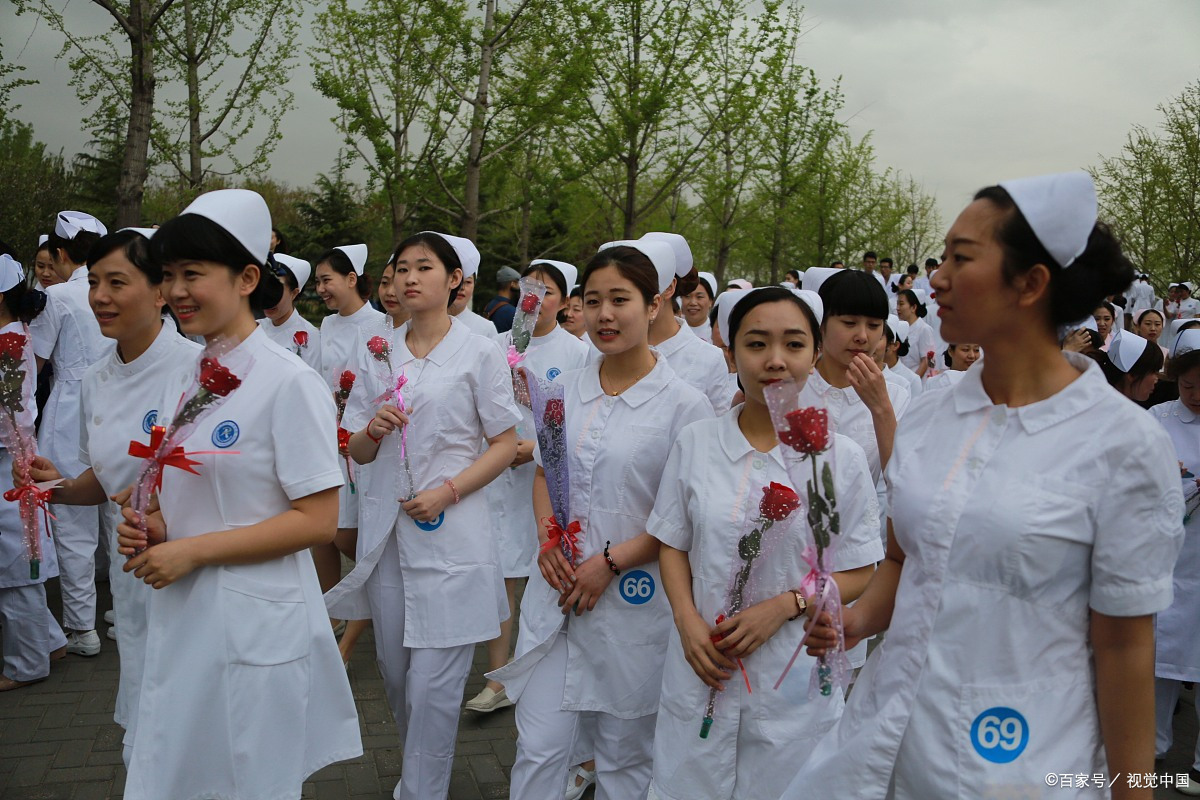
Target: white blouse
285 336
341 338
699 363
849 415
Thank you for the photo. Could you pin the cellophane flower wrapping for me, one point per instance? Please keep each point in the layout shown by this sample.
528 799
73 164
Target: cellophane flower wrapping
214 380
340 397
801 423
16 432
393 379
764 528
529 306
549 422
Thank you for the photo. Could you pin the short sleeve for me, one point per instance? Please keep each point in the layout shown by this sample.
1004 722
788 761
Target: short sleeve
1140 531
305 435
858 508
494 393
691 407
45 327
669 521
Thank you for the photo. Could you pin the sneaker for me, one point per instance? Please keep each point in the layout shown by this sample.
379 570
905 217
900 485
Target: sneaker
83 643
1191 787
488 701
110 617
578 780
112 633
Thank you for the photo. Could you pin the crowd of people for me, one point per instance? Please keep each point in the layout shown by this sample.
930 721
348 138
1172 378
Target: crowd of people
1015 572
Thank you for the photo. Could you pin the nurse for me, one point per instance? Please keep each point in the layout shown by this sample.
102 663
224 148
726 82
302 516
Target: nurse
1148 323
897 348
1131 365
344 286
921 338
552 352
958 358
711 490
592 635
573 315
1026 564
428 575
283 324
698 305
243 694
461 309
124 293
1177 657
29 635
43 265
67 336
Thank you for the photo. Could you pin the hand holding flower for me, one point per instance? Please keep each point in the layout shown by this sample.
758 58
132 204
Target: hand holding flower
427 505
131 539
743 633
555 569
710 665
592 577
40 469
166 563
387 419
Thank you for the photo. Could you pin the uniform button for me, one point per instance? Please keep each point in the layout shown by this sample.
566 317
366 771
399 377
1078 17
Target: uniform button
608 401
758 463
998 416
596 433
96 420
97 469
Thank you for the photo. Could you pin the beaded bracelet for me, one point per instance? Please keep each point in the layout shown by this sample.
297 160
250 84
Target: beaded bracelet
454 489
611 564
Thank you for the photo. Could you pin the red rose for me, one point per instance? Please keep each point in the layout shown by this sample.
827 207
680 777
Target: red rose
929 355
343 440
555 412
807 431
529 303
216 378
12 345
379 347
300 338
778 502
346 383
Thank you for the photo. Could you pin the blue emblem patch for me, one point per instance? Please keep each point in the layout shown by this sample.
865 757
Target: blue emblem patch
226 433
432 526
1000 734
637 587
553 373
150 420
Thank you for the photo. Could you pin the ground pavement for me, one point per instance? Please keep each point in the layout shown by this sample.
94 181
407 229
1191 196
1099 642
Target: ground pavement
58 740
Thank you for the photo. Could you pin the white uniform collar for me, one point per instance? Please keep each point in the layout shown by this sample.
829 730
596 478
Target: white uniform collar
1076 398
157 349
734 442
676 342
1183 413
450 344
822 387
655 381
80 274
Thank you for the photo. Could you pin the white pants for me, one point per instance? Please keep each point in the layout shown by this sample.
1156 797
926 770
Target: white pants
424 687
28 632
547 738
76 537
1166 694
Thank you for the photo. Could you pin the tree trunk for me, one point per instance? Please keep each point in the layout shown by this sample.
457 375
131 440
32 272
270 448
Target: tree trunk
135 163
195 164
632 160
469 226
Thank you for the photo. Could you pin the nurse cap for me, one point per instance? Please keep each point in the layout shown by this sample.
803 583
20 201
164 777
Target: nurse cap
661 255
145 232
1137 318
301 270
902 330
1125 349
465 249
725 309
1060 208
725 303
45 237
679 246
10 272
1188 340
242 214
742 284
710 281
813 301
357 253
813 277
893 323
569 272
70 224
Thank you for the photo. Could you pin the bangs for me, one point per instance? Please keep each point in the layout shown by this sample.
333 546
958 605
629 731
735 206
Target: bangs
854 293
191 237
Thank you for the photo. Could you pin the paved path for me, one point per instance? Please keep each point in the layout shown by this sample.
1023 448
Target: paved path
58 740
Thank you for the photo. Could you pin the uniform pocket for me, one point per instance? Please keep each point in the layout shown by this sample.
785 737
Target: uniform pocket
1053 551
1008 738
265 623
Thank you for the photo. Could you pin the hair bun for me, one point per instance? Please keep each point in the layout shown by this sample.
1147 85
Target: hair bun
32 304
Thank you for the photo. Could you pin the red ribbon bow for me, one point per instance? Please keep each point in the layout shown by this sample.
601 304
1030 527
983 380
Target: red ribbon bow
41 497
176 458
567 539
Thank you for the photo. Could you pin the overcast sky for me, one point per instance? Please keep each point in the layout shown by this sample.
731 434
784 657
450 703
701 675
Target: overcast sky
959 93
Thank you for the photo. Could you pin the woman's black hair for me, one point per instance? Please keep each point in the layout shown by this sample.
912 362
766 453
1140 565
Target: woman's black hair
77 248
1182 364
284 273
1152 311
577 291
896 286
135 248
791 273
281 247
340 263
43 246
911 298
24 303
442 249
947 358
1107 305
1099 271
1149 362
548 270
854 293
901 351
770 294
708 289
191 237
633 265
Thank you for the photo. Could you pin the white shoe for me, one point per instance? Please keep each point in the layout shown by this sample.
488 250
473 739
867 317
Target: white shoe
85 643
488 701
110 617
1192 787
578 780
112 633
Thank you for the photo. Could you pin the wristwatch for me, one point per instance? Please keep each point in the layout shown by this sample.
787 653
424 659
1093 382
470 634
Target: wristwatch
801 605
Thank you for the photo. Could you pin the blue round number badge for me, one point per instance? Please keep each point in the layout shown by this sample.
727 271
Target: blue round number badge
226 434
553 373
432 526
1000 734
150 420
637 587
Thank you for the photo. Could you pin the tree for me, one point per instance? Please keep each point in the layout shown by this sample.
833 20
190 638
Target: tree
38 187
8 83
96 172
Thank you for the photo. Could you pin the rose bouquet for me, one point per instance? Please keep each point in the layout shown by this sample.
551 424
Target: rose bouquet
803 429
340 398
549 421
16 432
394 380
529 306
777 504
212 385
